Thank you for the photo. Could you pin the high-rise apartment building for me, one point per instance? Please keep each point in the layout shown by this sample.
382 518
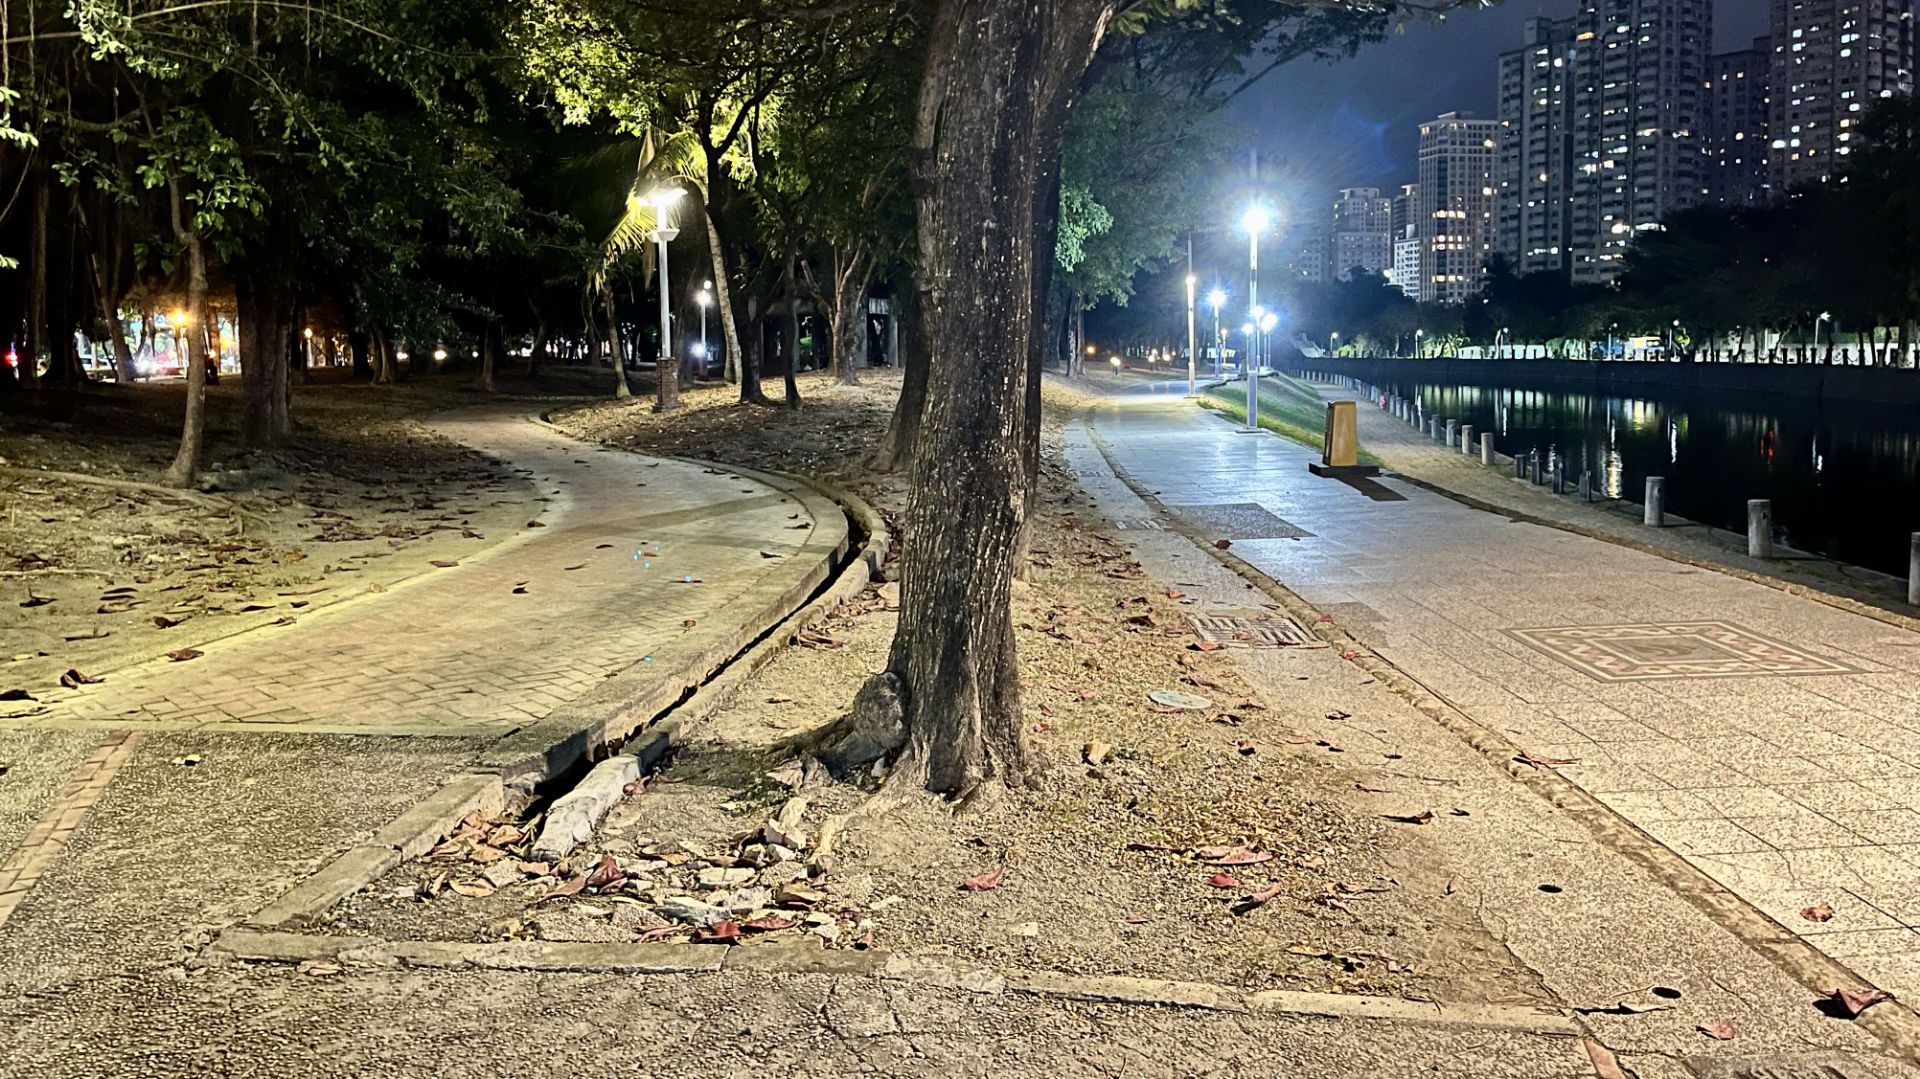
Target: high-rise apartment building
1362 232
1535 173
1312 260
1455 205
1403 224
1639 119
1602 127
1832 59
1736 143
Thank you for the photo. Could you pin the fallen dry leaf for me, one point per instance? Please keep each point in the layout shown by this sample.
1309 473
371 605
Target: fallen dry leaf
718 933
163 622
1819 912
1605 1066
443 563
181 655
1422 817
73 678
471 887
1720 1030
1223 880
1250 903
1535 760
1096 753
985 882
571 886
317 968
1232 856
16 695
769 923
1852 1002
1222 545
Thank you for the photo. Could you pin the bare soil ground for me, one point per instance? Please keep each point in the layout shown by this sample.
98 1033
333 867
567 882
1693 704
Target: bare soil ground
1215 845
100 568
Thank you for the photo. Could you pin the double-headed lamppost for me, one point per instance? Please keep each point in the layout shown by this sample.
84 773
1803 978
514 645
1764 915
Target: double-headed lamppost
663 199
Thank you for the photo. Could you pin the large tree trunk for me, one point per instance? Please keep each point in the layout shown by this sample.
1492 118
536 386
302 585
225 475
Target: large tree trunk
37 333
186 460
849 314
722 291
264 303
539 350
493 342
896 447
752 355
1000 77
621 391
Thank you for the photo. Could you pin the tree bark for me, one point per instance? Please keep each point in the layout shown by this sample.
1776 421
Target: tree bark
539 349
186 460
492 344
621 391
722 291
1000 77
849 314
29 370
264 303
896 446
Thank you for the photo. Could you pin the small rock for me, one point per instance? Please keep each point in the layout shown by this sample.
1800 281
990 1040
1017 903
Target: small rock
724 878
1096 753
501 874
684 908
1026 929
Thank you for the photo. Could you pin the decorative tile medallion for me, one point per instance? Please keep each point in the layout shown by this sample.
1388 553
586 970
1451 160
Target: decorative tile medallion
1659 651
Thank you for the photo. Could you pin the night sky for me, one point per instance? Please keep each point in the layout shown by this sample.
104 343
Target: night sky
1354 123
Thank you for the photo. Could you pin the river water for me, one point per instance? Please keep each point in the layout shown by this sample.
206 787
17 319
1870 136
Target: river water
1844 477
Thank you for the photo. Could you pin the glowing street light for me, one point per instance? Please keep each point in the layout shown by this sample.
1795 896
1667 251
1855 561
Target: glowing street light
705 299
663 199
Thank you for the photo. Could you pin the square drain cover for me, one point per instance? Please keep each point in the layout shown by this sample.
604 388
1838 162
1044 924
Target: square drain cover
1138 524
1253 629
1240 520
1787 1066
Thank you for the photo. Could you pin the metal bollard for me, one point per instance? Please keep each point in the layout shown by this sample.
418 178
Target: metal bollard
1759 528
1486 447
1538 468
1519 466
1453 427
1586 485
1560 475
1655 513
1466 439
1913 572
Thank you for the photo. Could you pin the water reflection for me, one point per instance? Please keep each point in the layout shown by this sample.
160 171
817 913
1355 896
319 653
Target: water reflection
1844 478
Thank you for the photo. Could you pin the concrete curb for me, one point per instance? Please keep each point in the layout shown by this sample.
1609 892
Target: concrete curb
789 958
1895 1024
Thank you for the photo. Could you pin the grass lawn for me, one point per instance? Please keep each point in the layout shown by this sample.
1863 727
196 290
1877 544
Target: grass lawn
1288 407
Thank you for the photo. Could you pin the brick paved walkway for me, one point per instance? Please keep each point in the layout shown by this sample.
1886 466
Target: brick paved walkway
637 556
1771 740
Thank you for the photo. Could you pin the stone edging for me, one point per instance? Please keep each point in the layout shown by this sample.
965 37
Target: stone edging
794 958
673 707
1895 1024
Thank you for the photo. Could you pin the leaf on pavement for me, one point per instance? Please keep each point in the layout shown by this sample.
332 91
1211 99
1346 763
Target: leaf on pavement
1535 760
607 874
1720 1030
1851 1002
36 601
16 695
1223 880
570 569
1819 912
718 933
376 587
181 655
317 968
74 677
571 886
1604 1064
985 882
161 621
443 563
1423 817
769 923
471 887
1222 544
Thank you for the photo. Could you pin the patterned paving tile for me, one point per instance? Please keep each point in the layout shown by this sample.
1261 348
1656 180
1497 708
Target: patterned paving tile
1662 651
1240 520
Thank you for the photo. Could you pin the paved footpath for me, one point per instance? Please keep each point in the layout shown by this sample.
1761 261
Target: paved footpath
1771 740
172 798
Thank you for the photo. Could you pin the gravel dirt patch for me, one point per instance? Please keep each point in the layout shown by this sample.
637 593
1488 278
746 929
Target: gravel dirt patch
1213 843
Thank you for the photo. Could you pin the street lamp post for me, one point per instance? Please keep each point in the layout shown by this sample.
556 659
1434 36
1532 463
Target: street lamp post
669 380
705 299
1193 345
1255 221
1824 317
1216 299
1333 342
1417 350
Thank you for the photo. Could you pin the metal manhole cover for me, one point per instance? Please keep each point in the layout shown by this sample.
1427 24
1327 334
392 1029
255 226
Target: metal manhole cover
1254 629
1786 1066
1240 520
1138 524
